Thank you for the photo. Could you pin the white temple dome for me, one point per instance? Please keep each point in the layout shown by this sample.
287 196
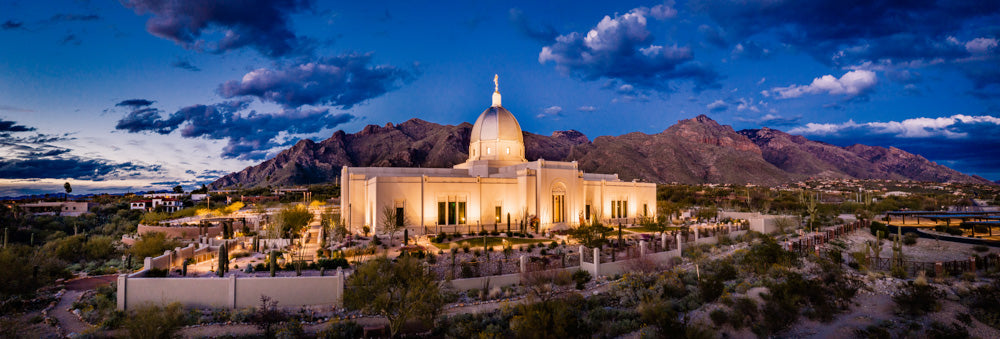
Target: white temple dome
496 135
496 123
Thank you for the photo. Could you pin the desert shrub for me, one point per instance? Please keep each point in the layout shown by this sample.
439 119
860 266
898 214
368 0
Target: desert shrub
581 277
939 330
875 331
332 264
910 238
153 321
745 313
876 226
984 303
980 248
710 288
152 245
916 299
558 318
719 317
342 330
768 252
661 314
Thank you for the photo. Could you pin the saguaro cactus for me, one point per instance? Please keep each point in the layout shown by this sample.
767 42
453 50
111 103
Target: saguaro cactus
272 262
222 262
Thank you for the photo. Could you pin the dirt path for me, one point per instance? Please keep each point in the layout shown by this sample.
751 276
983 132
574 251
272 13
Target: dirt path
69 322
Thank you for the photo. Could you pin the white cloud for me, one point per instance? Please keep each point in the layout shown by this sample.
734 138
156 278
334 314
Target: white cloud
587 108
663 11
717 106
909 128
550 111
980 46
852 83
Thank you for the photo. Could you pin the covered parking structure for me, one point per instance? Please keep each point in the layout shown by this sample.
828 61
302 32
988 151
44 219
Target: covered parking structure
989 225
943 215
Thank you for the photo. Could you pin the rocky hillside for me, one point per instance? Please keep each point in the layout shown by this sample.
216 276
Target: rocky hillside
697 150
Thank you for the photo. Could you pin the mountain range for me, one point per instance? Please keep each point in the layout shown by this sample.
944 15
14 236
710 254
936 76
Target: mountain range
693 151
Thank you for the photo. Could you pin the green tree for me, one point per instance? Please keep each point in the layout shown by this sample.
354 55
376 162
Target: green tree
593 234
293 219
400 290
152 244
178 189
68 188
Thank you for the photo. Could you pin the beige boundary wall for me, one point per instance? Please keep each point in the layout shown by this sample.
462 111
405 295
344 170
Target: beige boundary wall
175 257
230 292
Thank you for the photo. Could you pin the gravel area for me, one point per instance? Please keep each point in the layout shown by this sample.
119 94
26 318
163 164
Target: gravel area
926 250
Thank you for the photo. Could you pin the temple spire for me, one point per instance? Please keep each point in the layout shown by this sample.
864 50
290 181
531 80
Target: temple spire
496 90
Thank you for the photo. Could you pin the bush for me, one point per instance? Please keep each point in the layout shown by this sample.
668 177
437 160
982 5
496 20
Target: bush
719 317
910 238
342 330
332 264
152 321
440 238
916 299
581 277
877 226
980 248
711 288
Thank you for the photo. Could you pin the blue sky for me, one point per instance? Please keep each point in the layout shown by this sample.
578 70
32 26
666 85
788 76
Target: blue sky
146 93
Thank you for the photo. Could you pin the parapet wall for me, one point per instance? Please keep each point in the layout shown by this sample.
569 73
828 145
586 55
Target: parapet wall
230 292
182 232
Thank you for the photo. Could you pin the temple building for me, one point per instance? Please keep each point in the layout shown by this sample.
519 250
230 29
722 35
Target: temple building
494 187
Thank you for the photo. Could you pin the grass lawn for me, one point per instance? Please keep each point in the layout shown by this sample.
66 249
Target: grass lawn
491 241
641 229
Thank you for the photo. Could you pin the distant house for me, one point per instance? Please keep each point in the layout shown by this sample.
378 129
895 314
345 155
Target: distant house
64 208
170 205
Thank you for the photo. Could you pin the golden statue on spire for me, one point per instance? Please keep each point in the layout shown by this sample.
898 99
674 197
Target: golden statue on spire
496 83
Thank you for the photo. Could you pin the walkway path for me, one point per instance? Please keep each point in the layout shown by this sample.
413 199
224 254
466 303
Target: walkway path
69 322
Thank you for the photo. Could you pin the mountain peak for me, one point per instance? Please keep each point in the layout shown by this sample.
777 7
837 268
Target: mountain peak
572 135
704 119
696 150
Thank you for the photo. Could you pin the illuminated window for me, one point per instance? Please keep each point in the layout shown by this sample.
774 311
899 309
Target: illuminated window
489 150
508 150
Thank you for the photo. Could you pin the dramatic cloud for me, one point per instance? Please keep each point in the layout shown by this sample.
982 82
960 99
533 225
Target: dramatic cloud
884 34
851 84
11 126
947 127
263 25
185 65
34 156
621 49
343 81
898 30
70 168
966 143
250 135
544 34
